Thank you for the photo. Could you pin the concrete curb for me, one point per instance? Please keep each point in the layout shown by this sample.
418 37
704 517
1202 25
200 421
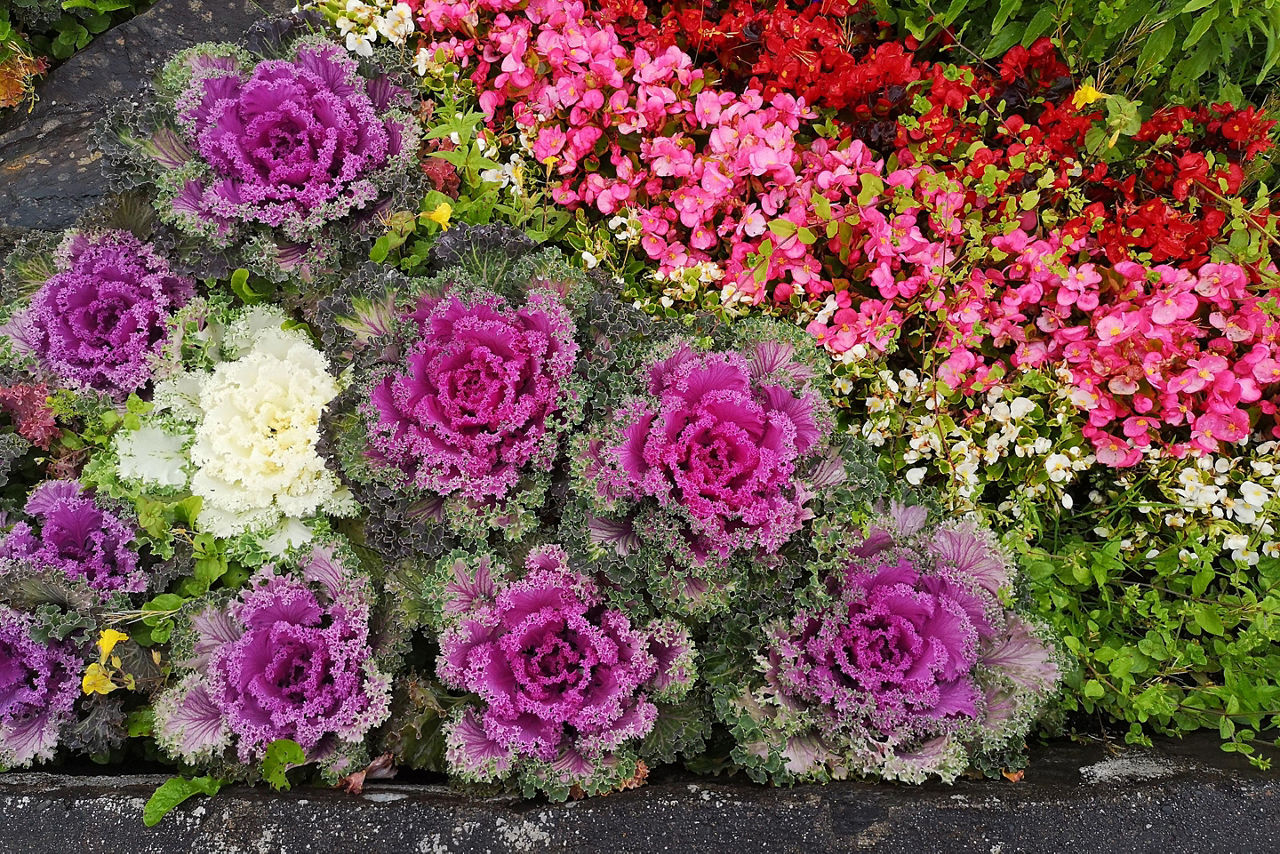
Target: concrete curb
1180 798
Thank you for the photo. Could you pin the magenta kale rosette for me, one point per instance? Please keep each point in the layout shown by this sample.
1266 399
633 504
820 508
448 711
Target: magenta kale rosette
100 321
277 151
288 658
904 664
76 536
470 411
565 684
473 399
716 459
39 684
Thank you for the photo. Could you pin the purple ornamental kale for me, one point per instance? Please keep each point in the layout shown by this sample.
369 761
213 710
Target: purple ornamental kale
76 537
99 322
561 678
38 689
718 439
291 143
473 402
894 653
911 657
288 658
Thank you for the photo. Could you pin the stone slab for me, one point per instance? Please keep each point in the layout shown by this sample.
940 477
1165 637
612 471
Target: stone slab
1185 797
49 172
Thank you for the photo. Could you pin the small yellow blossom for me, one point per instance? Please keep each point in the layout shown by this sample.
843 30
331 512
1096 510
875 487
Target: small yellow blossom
441 215
97 680
107 641
1086 95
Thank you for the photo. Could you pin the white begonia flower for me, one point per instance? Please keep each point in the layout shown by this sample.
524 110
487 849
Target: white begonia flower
421 65
1021 407
361 44
1235 542
152 456
1067 501
590 260
1058 466
1000 413
915 476
255 445
397 24
1254 494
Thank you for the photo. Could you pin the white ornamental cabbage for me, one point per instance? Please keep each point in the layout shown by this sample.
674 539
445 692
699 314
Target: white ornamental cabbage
255 444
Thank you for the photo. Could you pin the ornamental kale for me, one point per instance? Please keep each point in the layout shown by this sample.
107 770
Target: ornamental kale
100 321
76 536
288 658
565 683
468 408
716 458
276 152
38 689
902 662
467 388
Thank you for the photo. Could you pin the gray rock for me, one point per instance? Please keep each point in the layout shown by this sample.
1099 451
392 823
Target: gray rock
1187 797
49 171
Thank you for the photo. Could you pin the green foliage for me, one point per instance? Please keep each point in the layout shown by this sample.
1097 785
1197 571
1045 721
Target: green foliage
1187 50
173 792
494 182
1184 640
281 755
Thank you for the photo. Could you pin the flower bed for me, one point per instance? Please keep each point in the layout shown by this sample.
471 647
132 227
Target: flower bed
539 394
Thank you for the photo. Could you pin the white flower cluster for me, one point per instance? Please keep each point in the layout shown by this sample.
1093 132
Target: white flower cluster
685 284
243 435
362 23
1005 425
1240 489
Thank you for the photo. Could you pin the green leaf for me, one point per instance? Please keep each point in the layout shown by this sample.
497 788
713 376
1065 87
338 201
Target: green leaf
1038 26
953 12
1201 26
821 205
1156 49
1006 10
1207 619
871 186
282 754
164 602
173 792
783 228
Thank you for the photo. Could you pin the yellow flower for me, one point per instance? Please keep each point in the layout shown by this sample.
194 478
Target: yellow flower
107 641
97 680
441 215
1086 95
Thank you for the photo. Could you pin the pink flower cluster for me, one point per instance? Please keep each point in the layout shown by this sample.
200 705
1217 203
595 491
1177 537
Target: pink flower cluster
712 166
713 174
1157 355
